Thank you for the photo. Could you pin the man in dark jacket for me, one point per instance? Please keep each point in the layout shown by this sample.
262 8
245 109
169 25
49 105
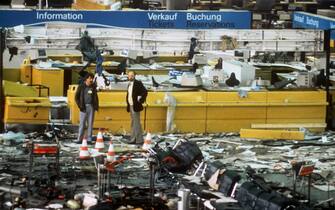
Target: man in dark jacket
88 102
136 96
193 49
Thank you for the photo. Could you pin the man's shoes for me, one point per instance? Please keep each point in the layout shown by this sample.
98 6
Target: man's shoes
90 142
126 138
134 142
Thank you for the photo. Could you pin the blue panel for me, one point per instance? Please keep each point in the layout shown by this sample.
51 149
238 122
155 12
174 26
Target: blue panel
311 21
131 19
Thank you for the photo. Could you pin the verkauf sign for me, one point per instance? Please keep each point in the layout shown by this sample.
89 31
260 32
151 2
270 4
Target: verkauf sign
131 19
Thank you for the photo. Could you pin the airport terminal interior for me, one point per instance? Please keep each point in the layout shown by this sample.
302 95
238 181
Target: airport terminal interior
167 104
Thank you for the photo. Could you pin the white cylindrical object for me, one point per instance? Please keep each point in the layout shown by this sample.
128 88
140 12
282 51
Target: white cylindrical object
184 199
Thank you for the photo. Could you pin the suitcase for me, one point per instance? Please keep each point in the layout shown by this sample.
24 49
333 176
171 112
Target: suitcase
272 201
187 153
225 206
227 182
248 194
278 202
212 167
251 197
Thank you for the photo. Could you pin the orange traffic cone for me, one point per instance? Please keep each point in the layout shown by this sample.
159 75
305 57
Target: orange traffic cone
83 151
111 153
147 142
99 144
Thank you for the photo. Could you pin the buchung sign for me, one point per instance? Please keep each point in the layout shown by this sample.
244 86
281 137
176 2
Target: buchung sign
131 19
311 21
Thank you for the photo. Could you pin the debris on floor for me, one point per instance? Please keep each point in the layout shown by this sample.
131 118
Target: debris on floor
43 170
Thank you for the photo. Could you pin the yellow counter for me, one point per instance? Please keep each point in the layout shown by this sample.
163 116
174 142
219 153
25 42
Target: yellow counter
155 112
71 58
32 110
51 77
296 107
201 111
89 5
170 58
190 112
227 111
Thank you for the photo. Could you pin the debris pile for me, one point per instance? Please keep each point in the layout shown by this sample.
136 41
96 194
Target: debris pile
216 170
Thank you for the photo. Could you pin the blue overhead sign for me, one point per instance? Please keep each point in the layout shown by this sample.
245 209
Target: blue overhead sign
311 21
131 19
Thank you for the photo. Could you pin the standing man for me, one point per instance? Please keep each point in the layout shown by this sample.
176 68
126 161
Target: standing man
136 96
193 49
88 102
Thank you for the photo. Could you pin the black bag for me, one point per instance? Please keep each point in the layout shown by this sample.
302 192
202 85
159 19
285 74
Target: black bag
187 153
248 194
263 199
212 168
225 206
227 182
251 196
272 201
89 56
279 201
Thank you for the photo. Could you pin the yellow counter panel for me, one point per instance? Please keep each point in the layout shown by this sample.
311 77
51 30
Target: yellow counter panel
30 110
228 111
52 78
201 111
296 106
190 112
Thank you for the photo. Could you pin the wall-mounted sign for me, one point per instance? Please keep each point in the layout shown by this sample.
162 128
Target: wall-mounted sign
311 21
131 19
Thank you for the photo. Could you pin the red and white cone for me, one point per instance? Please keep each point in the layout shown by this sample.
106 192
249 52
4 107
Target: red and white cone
99 144
147 142
111 153
83 150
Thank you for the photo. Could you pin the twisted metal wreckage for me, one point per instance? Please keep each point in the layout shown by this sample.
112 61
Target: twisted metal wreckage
185 171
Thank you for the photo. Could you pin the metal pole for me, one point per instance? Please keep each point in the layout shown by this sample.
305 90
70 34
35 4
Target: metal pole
329 98
152 185
108 181
198 202
99 181
184 198
294 180
2 98
309 187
